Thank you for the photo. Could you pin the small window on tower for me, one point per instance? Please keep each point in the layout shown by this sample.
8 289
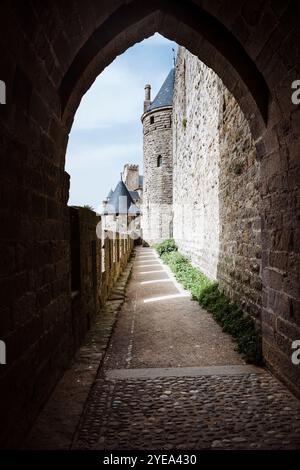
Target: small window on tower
151 119
159 160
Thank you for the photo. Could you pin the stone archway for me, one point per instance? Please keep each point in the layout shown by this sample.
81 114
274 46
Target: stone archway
190 26
50 54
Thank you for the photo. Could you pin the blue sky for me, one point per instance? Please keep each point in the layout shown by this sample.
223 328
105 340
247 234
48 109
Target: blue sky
107 130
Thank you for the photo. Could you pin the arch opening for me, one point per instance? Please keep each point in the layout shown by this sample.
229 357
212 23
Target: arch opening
188 25
190 107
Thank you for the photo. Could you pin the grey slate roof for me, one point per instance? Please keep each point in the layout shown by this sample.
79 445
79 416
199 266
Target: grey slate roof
165 95
117 206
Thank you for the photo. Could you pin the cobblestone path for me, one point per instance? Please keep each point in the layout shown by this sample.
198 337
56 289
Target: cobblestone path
172 379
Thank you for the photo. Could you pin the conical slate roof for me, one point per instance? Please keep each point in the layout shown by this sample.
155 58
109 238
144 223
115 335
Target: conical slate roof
165 95
120 200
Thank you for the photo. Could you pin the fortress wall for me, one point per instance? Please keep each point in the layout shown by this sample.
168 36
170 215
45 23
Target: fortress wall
216 183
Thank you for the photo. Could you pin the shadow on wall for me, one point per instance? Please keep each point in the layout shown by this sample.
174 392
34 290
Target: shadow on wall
239 264
96 264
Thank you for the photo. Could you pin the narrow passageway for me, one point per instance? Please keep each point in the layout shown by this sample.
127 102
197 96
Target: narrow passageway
160 326
172 379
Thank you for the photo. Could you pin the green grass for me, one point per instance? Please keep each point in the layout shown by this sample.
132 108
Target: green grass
232 319
191 278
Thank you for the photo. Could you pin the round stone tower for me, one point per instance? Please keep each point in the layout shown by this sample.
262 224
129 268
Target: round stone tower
158 163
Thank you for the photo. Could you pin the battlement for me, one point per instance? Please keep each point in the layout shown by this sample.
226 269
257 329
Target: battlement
130 176
131 167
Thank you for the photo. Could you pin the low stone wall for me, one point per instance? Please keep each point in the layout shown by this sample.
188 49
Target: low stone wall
196 150
96 264
75 291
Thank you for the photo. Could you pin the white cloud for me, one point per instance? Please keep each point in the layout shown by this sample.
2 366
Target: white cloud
107 132
117 94
111 101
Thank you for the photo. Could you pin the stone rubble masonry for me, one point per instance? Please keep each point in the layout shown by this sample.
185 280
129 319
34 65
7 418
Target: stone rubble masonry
61 315
96 264
196 149
239 265
230 202
216 183
157 194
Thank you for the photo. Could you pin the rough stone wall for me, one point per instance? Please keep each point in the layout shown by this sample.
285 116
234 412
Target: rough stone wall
101 256
196 149
216 183
157 193
239 265
85 257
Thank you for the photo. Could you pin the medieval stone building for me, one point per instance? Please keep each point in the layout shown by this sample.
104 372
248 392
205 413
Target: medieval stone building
122 207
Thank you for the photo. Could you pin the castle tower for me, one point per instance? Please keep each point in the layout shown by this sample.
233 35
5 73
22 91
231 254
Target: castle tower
158 163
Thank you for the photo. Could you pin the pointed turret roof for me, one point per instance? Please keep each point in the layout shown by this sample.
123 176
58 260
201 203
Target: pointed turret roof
110 194
117 203
165 95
